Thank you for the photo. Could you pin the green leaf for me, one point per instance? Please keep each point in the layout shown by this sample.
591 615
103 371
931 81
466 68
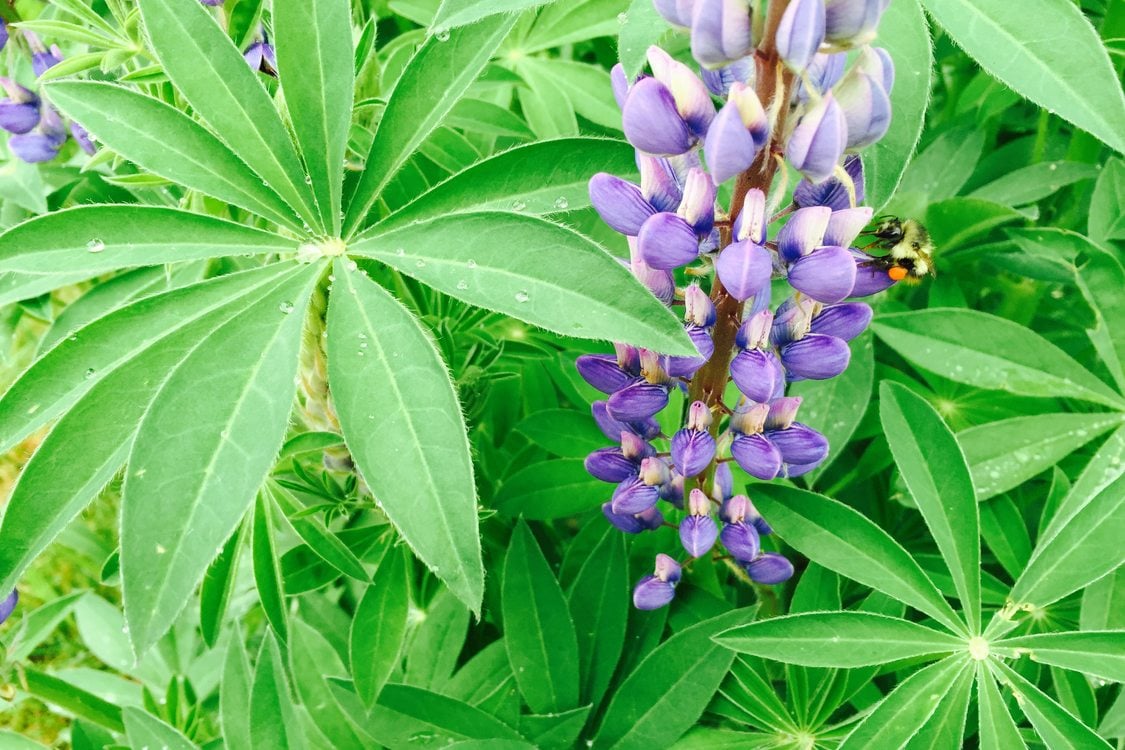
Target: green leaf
642 27
88 445
537 178
1058 728
574 21
555 730
1084 548
1005 532
209 71
563 432
998 730
449 715
669 689
267 568
145 730
96 239
1098 653
585 86
558 279
313 662
902 713
1106 467
217 588
234 697
955 221
316 68
599 605
434 647
946 727
163 140
273 722
835 407
1101 279
538 632
1005 454
1074 80
545 104
200 457
453 13
402 423
554 488
1102 603
323 542
838 639
418 104
1106 221
379 627
904 34
1034 182
70 698
986 351
942 169
833 535
934 470
78 363
37 625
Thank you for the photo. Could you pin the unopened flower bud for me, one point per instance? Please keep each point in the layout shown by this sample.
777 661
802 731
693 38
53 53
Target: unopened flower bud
719 80
757 374
822 74
800 33
8 606
260 56
657 590
610 465
42 58
692 451
741 540
877 63
749 418
819 140
799 444
756 455
675 12
602 372
866 107
720 31
619 82
19 112
724 482
633 496
782 412
850 23
754 333
693 101
751 221
698 205
620 203
699 310
816 357
736 135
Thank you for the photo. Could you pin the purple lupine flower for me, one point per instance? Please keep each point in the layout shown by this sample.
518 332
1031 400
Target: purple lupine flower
260 56
737 134
19 112
82 138
44 142
8 606
657 590
42 58
675 231
3 34
819 140
850 23
698 531
801 32
720 31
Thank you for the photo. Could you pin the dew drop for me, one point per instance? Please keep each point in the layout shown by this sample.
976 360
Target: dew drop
622 18
519 205
522 296
286 307
350 264
89 373
400 252
562 203
308 179
95 246
462 285
420 263
471 263
362 335
443 35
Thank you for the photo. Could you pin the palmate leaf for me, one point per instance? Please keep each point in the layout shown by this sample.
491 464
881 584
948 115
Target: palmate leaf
163 140
90 240
417 105
537 178
833 535
202 451
937 476
1059 729
838 639
1097 653
402 423
316 67
538 632
998 730
531 269
209 71
89 444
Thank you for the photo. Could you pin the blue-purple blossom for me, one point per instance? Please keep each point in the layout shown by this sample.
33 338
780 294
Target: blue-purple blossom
19 111
725 265
8 606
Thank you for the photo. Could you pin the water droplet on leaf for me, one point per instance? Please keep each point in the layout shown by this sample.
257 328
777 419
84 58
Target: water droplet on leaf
95 246
522 296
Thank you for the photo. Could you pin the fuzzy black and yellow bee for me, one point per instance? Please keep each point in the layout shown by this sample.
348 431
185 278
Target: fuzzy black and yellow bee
909 249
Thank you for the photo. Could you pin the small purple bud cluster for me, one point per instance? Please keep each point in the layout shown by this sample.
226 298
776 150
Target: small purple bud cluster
37 128
693 132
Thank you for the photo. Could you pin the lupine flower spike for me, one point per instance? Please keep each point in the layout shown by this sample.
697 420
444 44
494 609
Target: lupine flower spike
794 95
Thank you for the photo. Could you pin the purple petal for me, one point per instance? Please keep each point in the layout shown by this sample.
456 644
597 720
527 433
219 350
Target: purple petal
816 357
769 568
756 373
869 279
698 534
800 33
18 117
729 147
33 147
633 496
741 540
843 321
720 31
826 275
620 203
757 456
799 444
8 606
803 233
610 465
602 372
652 593
626 522
866 107
692 451
852 22
832 192
744 268
666 241
819 140
685 367
651 121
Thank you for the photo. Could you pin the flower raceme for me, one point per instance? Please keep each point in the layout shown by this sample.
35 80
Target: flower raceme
694 131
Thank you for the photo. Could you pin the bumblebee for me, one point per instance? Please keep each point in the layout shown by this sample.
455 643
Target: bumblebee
910 251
